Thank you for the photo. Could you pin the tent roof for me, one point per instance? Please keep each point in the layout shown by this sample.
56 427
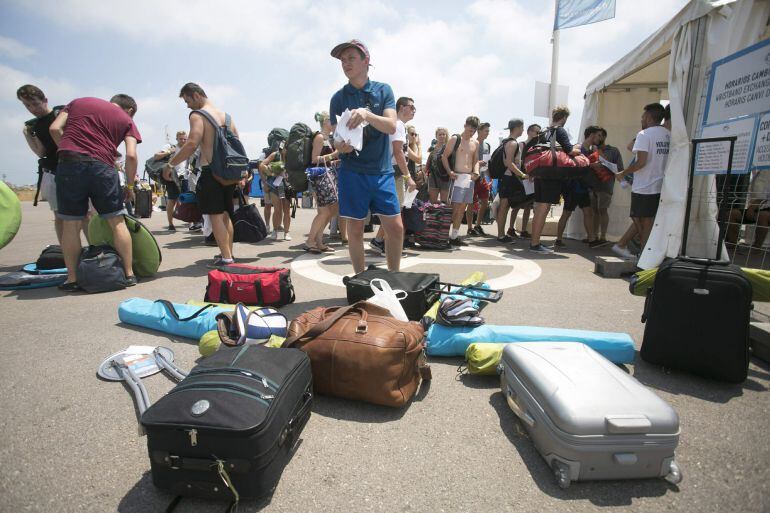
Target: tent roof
647 64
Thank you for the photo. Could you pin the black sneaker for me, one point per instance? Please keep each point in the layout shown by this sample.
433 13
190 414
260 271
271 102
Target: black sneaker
472 232
596 243
505 240
457 241
543 250
479 231
211 241
130 281
70 287
219 262
171 228
558 243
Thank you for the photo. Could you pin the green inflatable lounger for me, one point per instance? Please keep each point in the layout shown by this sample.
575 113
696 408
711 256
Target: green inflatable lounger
10 214
146 252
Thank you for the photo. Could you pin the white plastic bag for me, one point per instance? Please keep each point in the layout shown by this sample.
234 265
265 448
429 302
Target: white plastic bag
386 297
409 197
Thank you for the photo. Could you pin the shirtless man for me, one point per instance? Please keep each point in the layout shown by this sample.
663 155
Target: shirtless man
214 199
464 165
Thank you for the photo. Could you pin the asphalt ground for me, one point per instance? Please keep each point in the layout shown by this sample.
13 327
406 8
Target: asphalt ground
70 441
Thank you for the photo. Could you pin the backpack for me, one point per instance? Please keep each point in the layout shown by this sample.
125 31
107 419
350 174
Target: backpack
229 163
299 147
275 138
497 161
437 165
154 168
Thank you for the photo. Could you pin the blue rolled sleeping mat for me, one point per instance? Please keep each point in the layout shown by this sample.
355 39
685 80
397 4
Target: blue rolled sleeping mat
453 341
190 321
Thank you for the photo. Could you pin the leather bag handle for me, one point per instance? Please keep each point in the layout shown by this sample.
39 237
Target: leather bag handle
328 322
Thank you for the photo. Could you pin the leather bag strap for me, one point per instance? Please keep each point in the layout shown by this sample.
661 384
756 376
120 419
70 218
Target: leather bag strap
327 322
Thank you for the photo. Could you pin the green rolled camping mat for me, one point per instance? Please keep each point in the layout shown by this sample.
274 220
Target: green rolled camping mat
759 279
146 252
10 214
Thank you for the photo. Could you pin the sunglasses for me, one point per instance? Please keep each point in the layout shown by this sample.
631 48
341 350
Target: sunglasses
413 134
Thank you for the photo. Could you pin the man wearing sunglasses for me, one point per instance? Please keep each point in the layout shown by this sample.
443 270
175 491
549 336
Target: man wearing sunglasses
366 181
405 110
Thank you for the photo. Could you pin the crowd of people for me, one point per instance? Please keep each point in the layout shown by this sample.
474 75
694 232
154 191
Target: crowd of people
78 146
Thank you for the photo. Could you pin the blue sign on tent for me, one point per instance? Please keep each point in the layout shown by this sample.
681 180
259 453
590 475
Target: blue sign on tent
573 13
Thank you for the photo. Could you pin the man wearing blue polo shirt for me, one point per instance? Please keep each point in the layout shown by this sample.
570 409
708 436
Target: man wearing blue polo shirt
366 180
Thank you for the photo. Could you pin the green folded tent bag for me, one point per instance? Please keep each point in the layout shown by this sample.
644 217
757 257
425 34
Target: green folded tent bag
482 357
10 214
759 278
146 252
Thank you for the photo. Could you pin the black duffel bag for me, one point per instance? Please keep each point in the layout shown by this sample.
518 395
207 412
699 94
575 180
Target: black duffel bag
100 269
248 225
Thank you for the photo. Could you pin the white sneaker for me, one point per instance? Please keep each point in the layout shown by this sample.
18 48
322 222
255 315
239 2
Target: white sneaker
277 234
623 252
286 236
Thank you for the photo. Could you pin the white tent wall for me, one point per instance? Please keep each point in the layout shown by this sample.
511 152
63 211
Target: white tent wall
702 32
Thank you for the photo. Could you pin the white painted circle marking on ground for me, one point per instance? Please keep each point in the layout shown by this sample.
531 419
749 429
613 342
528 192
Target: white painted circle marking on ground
522 271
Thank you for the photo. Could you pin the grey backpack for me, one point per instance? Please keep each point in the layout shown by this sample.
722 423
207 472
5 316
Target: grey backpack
100 269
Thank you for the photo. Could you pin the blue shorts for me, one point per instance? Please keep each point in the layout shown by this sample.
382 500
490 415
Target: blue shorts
77 181
359 194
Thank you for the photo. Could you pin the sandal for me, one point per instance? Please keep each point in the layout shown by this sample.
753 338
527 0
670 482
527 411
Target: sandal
70 287
327 249
314 250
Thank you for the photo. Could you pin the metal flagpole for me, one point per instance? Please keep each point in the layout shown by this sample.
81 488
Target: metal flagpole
554 61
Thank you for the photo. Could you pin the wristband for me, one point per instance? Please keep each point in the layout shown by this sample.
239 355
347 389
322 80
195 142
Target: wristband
129 186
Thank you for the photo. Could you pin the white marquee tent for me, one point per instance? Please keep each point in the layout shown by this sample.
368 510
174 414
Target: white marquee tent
671 65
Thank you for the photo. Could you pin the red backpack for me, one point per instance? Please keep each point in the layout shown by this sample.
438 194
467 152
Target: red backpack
250 285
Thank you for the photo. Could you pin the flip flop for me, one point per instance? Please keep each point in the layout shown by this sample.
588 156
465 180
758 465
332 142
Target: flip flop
328 249
314 250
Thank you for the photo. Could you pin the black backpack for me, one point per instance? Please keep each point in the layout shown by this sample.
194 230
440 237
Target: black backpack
229 163
497 161
51 258
248 225
100 269
437 165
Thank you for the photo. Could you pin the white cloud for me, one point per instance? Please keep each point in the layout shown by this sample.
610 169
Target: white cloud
14 49
482 58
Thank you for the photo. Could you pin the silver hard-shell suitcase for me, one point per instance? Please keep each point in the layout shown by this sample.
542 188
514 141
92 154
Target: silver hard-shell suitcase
588 418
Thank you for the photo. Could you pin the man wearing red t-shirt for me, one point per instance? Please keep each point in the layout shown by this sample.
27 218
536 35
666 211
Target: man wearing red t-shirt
88 132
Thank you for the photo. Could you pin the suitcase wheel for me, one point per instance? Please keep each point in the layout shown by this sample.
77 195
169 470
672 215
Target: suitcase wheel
675 474
561 473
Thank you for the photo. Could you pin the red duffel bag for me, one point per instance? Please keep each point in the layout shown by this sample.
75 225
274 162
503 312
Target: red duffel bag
188 212
543 161
250 285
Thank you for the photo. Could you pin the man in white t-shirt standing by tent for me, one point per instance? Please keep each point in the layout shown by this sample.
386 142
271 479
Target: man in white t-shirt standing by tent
651 150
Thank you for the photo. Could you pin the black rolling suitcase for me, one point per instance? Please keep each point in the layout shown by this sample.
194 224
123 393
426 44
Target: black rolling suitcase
229 428
422 289
142 202
697 314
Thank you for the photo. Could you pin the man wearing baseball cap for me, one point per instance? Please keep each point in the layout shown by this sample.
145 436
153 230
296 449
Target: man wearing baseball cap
366 180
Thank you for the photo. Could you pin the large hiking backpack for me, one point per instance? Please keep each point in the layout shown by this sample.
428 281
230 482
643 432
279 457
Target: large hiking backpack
299 147
275 138
497 161
437 165
229 163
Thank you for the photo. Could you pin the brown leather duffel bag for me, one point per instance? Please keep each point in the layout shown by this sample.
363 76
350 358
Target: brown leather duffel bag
361 352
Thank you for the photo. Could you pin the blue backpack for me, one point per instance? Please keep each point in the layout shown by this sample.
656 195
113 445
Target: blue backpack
229 163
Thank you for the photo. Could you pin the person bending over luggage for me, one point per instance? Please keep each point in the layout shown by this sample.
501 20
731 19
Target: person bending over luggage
548 191
214 198
323 155
366 181
464 166
88 132
172 189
